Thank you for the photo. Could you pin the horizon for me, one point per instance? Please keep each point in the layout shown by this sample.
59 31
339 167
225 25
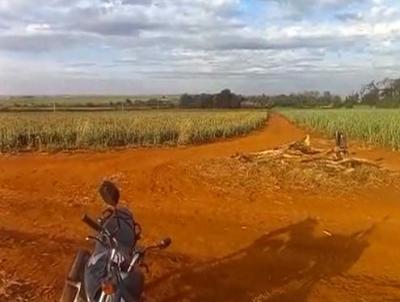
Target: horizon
150 95
165 47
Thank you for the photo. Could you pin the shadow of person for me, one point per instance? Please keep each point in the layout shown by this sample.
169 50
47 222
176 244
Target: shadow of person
283 265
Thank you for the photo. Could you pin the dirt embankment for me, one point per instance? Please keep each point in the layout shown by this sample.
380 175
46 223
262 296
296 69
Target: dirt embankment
242 232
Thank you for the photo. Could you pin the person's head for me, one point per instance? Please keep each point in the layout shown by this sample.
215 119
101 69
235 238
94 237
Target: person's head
109 192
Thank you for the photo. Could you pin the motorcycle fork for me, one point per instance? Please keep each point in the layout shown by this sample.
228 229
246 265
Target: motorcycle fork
78 286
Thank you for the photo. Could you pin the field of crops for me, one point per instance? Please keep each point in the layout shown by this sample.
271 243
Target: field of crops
373 126
57 131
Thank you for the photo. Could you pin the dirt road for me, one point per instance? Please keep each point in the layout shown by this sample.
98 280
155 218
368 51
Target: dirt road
230 244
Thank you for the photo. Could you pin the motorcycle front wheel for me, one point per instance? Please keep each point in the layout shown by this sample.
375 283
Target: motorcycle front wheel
73 290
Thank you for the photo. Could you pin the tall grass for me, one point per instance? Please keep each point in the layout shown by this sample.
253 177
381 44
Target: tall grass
374 126
54 131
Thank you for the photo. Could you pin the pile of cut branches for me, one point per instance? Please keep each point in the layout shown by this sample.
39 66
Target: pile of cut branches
302 153
297 167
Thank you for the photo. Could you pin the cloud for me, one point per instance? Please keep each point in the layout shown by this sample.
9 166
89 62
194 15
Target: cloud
3 26
349 16
184 45
305 5
39 42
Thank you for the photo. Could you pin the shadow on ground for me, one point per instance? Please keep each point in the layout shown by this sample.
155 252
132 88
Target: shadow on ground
283 265
40 241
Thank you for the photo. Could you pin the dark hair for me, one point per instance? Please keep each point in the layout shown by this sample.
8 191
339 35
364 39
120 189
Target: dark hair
109 192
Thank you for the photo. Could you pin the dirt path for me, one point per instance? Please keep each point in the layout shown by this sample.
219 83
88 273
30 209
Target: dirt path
229 243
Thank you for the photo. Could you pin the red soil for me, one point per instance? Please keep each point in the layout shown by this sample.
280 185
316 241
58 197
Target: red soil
288 246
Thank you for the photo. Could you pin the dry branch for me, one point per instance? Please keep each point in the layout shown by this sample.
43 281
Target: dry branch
302 153
354 162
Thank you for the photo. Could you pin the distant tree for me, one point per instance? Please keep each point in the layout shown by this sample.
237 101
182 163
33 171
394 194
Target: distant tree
327 98
351 100
222 99
336 101
153 102
139 103
187 101
206 100
370 94
227 99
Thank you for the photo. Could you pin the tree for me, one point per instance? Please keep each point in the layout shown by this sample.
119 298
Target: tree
206 100
186 101
370 94
351 100
327 98
385 93
227 99
224 99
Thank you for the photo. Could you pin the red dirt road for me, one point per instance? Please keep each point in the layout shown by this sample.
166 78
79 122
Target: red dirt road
227 245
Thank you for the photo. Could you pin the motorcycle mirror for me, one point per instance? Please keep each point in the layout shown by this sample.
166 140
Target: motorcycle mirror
165 243
110 193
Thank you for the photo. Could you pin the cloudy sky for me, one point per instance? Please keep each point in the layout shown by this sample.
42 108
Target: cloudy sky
175 46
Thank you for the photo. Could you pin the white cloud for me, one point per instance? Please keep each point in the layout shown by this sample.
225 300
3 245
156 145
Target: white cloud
32 28
184 45
304 5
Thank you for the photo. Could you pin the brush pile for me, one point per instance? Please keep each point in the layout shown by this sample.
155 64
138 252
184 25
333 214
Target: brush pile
301 152
292 167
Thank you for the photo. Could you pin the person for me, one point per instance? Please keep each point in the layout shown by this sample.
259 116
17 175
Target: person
120 223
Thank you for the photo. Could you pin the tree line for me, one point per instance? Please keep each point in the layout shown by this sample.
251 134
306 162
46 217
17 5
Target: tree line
381 94
385 93
227 99
224 99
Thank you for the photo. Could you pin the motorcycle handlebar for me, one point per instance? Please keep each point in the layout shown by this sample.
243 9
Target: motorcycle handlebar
93 224
162 245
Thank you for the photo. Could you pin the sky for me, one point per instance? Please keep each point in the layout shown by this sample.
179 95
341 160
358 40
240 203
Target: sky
177 46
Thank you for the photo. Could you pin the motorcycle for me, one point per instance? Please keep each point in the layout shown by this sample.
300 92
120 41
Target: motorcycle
112 272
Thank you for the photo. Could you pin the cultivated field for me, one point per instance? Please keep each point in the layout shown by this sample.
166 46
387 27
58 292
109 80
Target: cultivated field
55 131
373 126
